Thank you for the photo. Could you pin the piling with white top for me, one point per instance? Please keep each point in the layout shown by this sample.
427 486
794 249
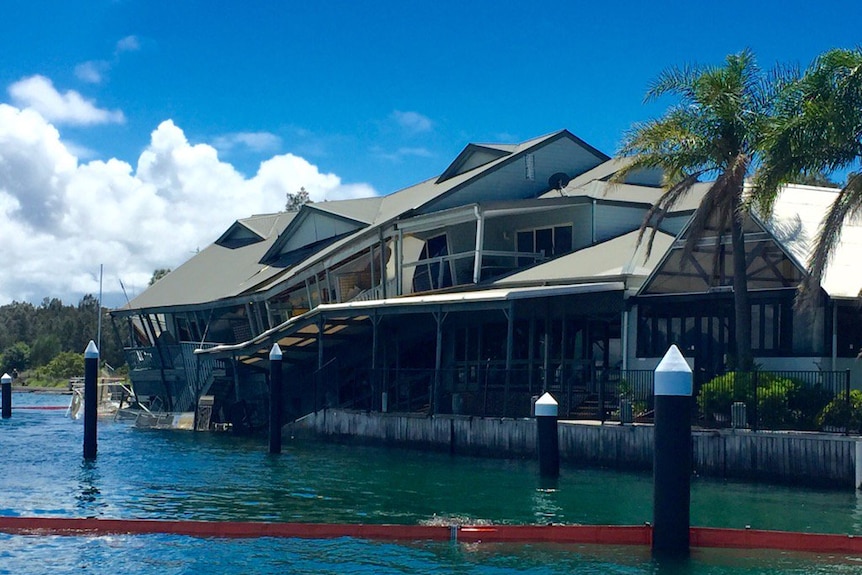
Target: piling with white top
91 399
275 399
7 395
548 442
672 456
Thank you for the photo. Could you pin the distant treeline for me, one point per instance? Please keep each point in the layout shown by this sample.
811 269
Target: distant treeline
32 336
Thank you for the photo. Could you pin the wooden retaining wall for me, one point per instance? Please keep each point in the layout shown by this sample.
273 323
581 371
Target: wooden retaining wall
816 459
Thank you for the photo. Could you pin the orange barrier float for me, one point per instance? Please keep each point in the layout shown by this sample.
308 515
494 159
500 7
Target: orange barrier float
563 534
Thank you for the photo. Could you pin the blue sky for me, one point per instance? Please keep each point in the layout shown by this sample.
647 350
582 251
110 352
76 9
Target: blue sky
166 110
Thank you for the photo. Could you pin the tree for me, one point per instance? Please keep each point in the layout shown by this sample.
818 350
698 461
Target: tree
817 128
159 274
297 200
715 130
16 357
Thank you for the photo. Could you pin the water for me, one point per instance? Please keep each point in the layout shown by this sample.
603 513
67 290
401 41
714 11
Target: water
182 475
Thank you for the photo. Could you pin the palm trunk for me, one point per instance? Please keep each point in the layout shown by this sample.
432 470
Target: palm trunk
741 305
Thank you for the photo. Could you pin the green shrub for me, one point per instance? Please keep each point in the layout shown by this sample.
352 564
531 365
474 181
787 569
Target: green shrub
773 401
840 414
717 395
806 404
781 402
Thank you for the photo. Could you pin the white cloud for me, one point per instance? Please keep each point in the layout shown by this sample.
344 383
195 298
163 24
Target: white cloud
413 122
256 141
62 218
128 44
91 72
38 92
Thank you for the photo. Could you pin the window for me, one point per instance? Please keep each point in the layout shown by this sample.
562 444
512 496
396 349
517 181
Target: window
705 329
547 241
435 274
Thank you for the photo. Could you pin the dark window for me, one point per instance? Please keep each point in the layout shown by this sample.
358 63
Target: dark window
562 240
547 241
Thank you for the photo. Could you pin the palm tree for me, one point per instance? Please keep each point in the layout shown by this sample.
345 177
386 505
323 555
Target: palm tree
817 128
715 130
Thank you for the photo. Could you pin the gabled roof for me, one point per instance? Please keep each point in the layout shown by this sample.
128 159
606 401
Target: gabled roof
779 248
709 265
795 221
363 210
339 225
216 272
248 230
474 156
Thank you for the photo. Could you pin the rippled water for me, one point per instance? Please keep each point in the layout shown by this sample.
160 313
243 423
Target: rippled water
183 475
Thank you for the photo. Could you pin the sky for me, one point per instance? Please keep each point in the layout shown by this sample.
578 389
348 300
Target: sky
134 132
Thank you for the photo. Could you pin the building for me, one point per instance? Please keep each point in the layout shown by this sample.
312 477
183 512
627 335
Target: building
517 270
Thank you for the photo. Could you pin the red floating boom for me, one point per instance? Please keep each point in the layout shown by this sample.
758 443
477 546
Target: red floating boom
571 534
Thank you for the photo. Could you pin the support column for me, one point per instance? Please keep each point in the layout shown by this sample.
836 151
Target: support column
439 317
546 353
510 348
672 456
91 399
275 399
373 379
477 257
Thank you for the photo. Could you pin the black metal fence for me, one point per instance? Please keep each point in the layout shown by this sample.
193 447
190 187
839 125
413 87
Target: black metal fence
801 400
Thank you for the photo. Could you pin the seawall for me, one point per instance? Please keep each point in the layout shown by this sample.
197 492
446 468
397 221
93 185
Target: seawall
803 458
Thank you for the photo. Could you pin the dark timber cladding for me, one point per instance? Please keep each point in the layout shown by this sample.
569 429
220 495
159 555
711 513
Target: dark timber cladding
501 328
823 460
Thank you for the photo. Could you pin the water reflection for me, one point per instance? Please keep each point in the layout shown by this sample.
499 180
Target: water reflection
857 511
89 500
546 501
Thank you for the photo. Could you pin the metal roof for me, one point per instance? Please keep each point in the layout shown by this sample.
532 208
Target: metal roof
618 257
795 221
216 272
648 195
358 209
498 296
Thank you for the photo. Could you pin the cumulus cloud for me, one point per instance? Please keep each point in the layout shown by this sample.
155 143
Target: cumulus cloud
62 217
413 122
256 141
38 93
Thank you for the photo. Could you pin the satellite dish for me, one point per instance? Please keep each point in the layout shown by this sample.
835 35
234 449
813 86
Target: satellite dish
558 181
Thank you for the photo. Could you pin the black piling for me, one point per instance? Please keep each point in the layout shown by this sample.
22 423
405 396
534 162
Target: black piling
91 399
548 442
275 399
672 459
7 395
